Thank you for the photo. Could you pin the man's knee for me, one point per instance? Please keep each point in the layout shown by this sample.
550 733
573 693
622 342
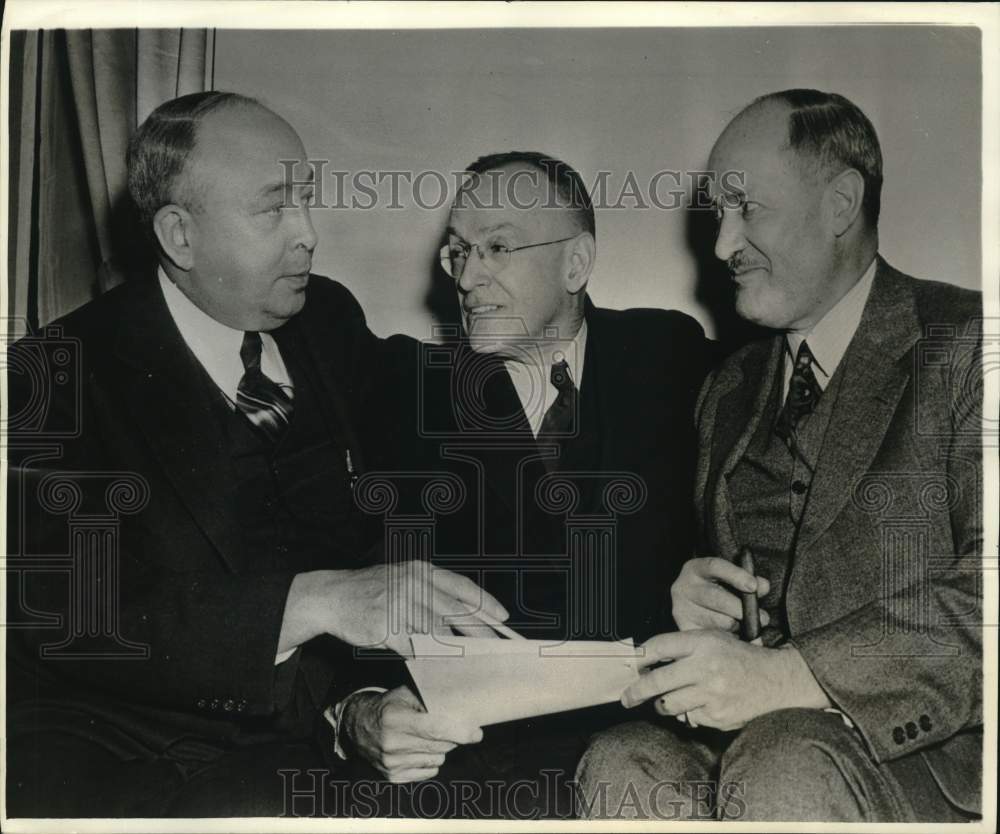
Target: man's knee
615 751
785 740
643 770
788 764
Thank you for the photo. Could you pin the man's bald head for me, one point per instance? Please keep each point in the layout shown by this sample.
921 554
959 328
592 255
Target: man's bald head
159 151
829 133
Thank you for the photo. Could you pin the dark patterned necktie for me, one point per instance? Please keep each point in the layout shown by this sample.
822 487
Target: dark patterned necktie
803 394
261 399
559 419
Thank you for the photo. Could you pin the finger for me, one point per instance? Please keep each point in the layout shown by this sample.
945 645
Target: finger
722 570
718 599
683 701
404 743
697 718
699 618
407 697
468 592
412 775
442 728
412 761
668 646
454 614
475 628
763 586
759 641
665 679
765 618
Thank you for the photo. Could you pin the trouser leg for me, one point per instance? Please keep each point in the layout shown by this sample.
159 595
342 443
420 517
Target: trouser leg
649 770
805 765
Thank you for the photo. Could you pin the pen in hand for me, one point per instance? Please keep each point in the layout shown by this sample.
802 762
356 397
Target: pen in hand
750 625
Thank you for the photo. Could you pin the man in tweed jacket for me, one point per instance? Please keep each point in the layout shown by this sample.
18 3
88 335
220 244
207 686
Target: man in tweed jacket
845 452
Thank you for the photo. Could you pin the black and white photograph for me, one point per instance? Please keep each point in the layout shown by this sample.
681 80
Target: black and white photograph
475 414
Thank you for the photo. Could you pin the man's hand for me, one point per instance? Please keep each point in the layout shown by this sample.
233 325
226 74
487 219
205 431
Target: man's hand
700 598
394 734
720 681
382 605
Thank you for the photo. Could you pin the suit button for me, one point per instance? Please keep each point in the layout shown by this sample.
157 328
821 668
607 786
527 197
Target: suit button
798 487
898 735
228 704
201 703
925 723
214 704
242 705
911 730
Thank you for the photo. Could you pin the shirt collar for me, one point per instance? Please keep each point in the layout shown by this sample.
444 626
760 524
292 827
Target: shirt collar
215 346
830 336
536 395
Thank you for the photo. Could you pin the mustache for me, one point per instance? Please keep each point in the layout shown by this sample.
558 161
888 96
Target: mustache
737 263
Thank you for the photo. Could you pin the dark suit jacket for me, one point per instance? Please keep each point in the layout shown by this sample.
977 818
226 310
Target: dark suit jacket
881 598
626 472
192 658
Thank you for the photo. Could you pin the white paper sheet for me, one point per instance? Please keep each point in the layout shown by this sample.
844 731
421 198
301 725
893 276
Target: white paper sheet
489 681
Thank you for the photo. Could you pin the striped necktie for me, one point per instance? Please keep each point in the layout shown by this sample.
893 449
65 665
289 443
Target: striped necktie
261 399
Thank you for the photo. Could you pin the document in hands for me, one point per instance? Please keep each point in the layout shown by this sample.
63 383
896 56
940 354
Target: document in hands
489 681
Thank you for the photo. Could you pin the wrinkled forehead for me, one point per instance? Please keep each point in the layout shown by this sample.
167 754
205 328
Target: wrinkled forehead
514 198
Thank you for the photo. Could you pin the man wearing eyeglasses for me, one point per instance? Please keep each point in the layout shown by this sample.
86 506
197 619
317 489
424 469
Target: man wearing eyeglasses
571 427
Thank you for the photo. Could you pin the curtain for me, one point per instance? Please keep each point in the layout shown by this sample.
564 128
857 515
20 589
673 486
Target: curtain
76 98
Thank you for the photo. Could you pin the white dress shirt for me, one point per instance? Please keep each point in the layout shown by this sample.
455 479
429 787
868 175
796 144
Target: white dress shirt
217 347
829 337
534 384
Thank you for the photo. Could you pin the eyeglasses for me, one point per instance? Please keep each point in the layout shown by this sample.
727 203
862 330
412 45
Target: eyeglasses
494 255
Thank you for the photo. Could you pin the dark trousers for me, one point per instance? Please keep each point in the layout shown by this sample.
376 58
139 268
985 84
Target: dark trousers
66 775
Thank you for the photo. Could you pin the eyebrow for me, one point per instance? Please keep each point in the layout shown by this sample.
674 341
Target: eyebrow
281 187
488 230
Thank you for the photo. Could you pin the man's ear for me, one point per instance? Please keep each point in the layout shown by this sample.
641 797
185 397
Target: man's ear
581 262
846 192
172 225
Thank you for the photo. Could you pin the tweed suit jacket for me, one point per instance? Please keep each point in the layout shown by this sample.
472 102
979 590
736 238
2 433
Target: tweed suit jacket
881 595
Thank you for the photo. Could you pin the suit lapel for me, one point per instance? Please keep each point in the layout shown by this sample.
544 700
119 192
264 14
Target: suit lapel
503 408
874 378
296 338
745 393
585 452
175 405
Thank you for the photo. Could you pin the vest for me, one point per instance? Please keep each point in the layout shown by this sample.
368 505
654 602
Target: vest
294 499
770 489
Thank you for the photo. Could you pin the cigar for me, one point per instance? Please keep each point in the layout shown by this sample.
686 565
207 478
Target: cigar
751 616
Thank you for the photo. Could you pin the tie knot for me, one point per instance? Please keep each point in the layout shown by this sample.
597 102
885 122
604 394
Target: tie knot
250 351
560 377
804 357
